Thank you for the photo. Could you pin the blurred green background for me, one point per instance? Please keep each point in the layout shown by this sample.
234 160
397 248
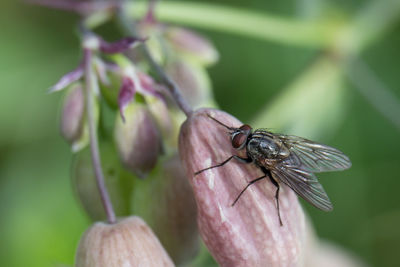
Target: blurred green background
257 80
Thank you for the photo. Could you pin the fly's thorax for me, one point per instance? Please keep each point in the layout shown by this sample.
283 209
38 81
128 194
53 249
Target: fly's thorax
263 145
284 152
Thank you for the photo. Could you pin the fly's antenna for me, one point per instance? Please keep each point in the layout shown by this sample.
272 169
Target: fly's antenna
220 123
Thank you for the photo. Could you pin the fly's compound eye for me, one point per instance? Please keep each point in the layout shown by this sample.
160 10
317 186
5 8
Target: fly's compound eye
245 127
239 139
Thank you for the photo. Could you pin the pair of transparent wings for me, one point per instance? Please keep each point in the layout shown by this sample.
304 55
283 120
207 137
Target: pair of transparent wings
306 158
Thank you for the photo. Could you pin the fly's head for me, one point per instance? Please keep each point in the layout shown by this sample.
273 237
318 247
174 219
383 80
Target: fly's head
239 136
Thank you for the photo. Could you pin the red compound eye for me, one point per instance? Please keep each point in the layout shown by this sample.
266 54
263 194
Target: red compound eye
239 139
245 127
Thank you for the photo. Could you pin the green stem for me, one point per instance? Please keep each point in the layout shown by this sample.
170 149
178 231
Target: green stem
374 90
91 83
373 21
238 21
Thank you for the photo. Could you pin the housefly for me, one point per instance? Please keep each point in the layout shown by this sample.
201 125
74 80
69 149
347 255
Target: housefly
286 159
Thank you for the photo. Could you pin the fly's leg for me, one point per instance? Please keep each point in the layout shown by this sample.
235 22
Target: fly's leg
247 186
268 173
244 160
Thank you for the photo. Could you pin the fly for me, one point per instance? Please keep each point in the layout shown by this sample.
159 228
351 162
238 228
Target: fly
286 159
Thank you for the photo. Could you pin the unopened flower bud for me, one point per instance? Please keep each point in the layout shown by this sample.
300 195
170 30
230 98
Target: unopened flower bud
248 233
119 182
192 44
192 80
152 32
160 112
138 139
129 243
165 200
110 90
72 118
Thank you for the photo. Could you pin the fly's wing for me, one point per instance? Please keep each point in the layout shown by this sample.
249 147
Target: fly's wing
291 172
316 157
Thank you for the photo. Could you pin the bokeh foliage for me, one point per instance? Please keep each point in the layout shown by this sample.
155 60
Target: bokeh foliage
41 220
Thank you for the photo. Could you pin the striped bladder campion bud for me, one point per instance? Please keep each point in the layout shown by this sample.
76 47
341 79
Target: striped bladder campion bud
165 200
72 117
119 182
129 242
247 233
138 139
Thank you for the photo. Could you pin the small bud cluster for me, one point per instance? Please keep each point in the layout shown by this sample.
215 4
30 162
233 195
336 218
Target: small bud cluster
186 57
148 121
138 124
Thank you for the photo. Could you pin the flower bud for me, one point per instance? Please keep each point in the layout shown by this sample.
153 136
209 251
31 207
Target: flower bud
72 118
129 242
160 112
192 45
192 80
152 32
110 90
248 233
165 200
118 181
138 139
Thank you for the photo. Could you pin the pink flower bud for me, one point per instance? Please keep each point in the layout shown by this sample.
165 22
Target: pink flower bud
192 80
165 200
192 44
72 117
129 243
160 112
138 139
248 233
126 94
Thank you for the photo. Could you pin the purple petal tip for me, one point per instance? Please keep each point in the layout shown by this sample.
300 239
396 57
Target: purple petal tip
125 96
67 79
119 46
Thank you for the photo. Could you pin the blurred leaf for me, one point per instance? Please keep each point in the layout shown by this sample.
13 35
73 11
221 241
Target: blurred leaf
204 258
243 22
374 90
41 224
33 57
313 105
372 21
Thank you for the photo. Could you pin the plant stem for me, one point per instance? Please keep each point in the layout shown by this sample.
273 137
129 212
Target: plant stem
168 82
248 23
173 88
150 17
80 7
373 89
91 83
